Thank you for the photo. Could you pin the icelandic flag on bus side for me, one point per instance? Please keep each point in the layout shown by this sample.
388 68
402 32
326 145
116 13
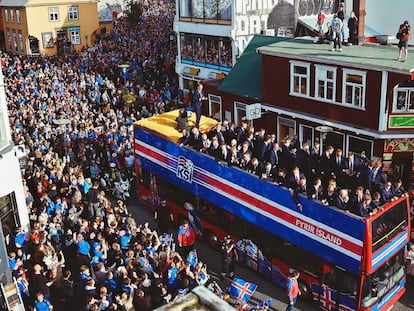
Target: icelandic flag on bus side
242 290
166 239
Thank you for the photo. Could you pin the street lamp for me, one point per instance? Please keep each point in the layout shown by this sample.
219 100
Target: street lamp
62 123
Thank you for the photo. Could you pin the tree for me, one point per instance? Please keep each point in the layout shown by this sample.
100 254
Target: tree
134 11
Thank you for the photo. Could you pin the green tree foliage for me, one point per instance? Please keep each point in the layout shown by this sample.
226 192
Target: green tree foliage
134 11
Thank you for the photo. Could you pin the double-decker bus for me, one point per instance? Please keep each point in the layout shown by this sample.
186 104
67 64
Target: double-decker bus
346 262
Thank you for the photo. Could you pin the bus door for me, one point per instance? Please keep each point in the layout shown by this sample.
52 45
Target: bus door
332 281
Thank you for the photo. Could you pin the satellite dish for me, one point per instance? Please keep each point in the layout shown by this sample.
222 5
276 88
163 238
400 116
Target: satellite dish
324 129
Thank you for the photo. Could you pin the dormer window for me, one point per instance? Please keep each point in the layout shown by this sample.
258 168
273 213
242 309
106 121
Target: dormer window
403 100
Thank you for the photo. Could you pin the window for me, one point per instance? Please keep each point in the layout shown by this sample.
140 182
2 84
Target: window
18 16
6 15
21 45
75 35
306 134
325 78
360 145
214 107
243 26
53 14
11 16
9 39
15 47
299 78
239 113
403 100
73 13
353 91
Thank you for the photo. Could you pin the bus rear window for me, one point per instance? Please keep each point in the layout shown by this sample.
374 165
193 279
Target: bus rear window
386 226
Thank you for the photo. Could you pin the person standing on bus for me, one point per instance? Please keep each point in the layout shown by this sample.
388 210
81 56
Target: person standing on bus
230 256
198 103
293 290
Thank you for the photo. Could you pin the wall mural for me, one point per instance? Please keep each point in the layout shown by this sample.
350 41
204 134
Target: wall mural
107 7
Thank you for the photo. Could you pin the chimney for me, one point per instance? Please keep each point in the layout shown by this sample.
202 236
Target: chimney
359 9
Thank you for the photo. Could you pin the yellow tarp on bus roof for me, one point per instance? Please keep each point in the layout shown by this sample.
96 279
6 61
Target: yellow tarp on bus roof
165 125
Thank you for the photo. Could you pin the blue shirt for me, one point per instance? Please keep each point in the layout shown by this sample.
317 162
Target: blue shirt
42 305
84 248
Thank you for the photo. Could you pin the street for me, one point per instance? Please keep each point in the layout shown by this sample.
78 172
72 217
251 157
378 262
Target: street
265 289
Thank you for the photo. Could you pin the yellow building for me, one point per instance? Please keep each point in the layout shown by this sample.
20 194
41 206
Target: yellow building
48 26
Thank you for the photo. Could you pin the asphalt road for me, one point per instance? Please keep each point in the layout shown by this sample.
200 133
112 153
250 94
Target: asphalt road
265 288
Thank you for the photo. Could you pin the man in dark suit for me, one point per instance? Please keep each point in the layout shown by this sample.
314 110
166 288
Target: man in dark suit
273 155
198 103
351 170
269 172
326 165
294 177
303 159
378 177
339 166
224 153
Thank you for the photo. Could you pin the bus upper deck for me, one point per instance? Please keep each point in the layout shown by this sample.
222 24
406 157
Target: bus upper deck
351 242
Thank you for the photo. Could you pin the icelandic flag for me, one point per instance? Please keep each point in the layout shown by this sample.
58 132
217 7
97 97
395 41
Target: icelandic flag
242 290
192 258
166 239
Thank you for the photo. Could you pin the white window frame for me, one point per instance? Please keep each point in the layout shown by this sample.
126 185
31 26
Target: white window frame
75 37
360 138
407 90
354 86
320 75
239 106
215 99
301 128
53 14
18 16
73 13
294 64
21 44
322 140
6 15
11 16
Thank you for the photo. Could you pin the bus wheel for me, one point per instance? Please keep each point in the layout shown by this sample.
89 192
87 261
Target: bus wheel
211 238
305 290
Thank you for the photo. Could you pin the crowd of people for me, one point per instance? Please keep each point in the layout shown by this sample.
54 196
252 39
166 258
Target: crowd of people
350 183
87 252
73 115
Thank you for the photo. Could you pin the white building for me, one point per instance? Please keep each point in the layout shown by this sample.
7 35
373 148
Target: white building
211 34
13 210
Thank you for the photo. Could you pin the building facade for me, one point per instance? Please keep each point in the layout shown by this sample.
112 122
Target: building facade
13 210
36 27
211 35
359 100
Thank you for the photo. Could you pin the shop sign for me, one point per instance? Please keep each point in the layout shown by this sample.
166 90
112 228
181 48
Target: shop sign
398 121
399 145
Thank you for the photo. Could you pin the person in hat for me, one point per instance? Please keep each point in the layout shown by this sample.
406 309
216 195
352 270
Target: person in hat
229 257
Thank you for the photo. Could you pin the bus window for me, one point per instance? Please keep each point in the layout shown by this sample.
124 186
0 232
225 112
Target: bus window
384 279
295 256
347 284
389 224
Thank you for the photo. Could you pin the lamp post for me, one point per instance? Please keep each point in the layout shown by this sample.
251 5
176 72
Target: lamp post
123 67
62 123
